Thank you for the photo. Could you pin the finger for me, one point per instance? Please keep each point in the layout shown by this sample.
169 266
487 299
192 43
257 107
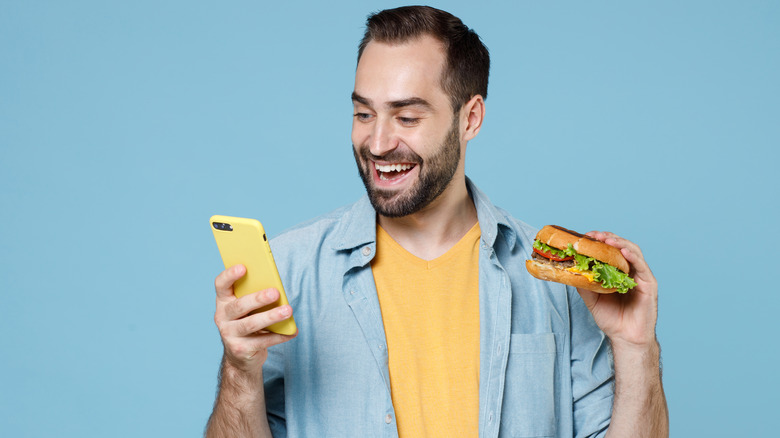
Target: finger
613 239
590 298
633 255
594 234
260 321
246 348
224 281
242 306
620 242
269 340
641 268
602 236
599 235
629 250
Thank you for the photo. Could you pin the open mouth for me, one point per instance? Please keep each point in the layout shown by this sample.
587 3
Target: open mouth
390 172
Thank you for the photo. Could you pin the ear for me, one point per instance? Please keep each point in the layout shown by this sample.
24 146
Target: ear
472 114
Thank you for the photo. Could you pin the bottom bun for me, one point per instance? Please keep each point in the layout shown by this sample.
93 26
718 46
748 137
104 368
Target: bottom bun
544 271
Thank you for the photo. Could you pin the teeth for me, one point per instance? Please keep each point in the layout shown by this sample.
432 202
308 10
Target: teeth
392 167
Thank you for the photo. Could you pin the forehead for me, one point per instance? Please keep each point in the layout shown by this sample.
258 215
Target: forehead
391 72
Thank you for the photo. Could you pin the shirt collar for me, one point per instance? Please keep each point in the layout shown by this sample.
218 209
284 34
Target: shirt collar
358 226
492 220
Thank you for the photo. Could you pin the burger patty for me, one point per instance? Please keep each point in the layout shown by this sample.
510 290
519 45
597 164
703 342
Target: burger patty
543 259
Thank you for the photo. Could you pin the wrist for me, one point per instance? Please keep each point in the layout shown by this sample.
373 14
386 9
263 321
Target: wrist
243 386
640 362
240 406
648 346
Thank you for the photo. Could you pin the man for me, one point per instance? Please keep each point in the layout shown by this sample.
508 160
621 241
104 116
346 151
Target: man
416 316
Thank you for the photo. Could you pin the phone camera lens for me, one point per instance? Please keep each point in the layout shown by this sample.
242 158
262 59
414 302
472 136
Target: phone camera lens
222 226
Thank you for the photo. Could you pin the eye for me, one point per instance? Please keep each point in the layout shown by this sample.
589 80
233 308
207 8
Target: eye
362 117
408 121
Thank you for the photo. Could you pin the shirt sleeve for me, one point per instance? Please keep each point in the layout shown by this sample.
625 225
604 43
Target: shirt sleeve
592 372
273 381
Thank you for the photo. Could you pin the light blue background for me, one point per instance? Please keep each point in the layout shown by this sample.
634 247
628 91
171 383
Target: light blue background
125 125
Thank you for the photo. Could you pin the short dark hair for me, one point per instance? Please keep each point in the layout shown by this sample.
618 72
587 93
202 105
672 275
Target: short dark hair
467 64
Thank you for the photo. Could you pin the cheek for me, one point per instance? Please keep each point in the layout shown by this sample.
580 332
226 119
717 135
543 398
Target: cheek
427 143
359 133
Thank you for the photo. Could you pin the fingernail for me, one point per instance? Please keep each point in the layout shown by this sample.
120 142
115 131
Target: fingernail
271 294
285 311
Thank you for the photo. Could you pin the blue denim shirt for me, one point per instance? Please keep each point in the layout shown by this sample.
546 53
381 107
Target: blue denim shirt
545 367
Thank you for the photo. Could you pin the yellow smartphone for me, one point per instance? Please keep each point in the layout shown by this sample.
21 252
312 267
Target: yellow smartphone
243 241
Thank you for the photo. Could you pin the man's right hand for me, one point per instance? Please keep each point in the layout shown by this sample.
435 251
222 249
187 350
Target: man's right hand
244 336
240 407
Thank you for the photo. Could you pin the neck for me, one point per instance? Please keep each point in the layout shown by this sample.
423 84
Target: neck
432 231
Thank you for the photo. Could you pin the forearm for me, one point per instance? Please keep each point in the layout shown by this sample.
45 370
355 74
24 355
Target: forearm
640 408
239 410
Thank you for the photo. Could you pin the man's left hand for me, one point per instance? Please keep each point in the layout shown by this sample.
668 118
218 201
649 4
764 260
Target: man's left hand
627 319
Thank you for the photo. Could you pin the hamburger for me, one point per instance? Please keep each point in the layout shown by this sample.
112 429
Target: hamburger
565 256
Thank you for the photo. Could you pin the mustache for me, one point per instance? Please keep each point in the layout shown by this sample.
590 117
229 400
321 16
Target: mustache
398 156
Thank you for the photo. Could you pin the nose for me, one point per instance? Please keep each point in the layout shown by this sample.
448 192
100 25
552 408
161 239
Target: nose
382 139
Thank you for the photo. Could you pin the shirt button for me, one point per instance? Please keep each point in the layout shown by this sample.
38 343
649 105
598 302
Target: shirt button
366 251
388 418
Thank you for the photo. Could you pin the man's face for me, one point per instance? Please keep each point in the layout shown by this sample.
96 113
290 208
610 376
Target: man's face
406 139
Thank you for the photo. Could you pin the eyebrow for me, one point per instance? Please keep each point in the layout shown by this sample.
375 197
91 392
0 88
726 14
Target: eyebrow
412 101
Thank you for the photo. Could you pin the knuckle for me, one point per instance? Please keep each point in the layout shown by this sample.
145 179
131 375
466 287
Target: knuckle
223 329
262 297
224 281
221 279
248 325
240 307
231 308
238 349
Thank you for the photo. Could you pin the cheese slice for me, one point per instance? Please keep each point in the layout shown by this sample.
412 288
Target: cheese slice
586 274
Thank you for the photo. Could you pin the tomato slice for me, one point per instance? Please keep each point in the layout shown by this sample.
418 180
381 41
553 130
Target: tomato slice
552 256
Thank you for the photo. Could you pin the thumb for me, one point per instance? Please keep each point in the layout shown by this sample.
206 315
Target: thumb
224 281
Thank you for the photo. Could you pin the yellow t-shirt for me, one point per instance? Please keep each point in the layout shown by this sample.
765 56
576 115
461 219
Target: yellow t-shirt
430 311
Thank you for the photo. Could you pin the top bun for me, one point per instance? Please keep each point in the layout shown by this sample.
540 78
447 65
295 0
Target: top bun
559 237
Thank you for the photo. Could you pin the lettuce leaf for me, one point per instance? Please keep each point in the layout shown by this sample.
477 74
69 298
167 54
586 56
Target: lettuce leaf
612 277
609 276
538 244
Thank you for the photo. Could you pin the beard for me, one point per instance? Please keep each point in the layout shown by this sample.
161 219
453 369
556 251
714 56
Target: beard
435 174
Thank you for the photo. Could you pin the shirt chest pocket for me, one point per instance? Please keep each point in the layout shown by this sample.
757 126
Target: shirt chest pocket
528 408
